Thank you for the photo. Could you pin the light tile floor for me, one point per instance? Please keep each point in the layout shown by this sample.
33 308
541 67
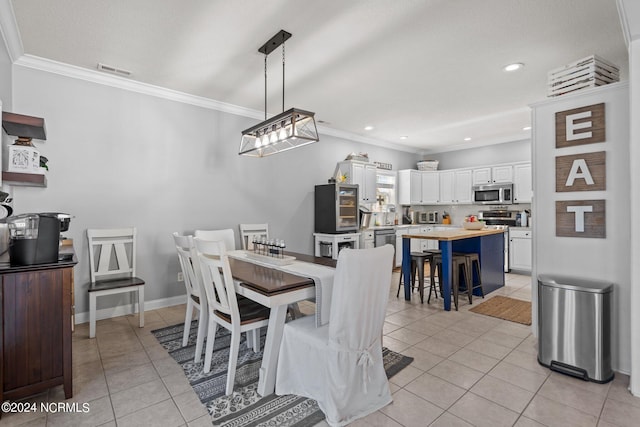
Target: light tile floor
468 370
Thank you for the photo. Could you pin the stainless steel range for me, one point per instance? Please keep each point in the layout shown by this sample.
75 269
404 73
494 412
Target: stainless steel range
501 218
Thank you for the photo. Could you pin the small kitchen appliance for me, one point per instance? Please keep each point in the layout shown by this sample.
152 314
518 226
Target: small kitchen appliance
34 238
365 217
493 194
429 217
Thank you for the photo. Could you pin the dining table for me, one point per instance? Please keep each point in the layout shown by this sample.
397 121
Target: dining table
273 286
488 243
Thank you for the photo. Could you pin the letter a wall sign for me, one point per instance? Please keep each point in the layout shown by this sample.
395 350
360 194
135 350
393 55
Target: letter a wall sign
581 172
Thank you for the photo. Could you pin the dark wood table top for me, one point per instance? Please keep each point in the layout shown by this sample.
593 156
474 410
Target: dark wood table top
270 281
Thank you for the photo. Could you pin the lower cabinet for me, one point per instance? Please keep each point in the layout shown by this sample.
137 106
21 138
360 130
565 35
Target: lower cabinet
35 319
367 239
520 249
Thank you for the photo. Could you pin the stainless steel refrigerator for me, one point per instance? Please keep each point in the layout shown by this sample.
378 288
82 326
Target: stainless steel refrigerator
336 208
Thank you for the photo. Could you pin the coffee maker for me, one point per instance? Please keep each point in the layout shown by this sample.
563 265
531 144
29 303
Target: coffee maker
34 238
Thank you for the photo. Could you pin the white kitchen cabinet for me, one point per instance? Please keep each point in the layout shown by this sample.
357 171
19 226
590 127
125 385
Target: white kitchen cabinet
493 175
430 188
455 186
502 174
520 249
363 175
427 244
409 187
482 176
447 187
462 186
418 187
522 183
367 239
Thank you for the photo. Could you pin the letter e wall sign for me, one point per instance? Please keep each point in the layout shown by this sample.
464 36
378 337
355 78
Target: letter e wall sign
581 172
584 125
581 218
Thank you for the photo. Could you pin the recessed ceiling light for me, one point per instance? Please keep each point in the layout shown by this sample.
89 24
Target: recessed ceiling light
467 139
526 128
404 137
513 67
368 128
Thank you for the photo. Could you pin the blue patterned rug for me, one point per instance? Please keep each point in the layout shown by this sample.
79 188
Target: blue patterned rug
245 407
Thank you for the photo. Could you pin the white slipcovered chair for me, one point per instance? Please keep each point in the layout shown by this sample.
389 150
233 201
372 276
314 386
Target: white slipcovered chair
237 314
340 364
214 235
196 297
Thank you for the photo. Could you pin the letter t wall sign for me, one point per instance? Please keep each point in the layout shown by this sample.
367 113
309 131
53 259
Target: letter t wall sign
581 172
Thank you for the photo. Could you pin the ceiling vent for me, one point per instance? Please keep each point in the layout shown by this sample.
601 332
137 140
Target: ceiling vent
113 70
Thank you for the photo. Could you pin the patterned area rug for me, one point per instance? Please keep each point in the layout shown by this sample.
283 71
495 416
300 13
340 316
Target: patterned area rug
506 308
245 407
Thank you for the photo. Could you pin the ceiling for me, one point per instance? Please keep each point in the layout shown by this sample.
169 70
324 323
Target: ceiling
430 70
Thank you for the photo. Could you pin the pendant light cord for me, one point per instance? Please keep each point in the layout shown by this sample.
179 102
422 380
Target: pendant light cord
265 87
283 77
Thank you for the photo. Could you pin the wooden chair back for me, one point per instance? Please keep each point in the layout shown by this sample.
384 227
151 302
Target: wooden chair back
249 231
216 277
112 253
215 235
189 263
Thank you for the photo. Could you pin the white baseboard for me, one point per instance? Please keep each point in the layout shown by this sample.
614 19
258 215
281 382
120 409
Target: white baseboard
122 310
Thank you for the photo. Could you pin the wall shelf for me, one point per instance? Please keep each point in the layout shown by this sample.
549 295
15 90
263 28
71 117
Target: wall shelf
24 179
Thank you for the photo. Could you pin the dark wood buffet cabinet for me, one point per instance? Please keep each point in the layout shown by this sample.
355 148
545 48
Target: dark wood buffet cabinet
36 325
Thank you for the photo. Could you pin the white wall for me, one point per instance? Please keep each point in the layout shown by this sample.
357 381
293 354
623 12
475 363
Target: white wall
600 259
5 74
631 23
120 158
509 152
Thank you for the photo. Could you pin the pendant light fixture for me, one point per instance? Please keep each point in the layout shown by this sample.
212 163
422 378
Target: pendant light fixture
290 129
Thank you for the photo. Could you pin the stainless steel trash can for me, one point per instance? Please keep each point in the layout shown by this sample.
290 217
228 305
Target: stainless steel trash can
574 326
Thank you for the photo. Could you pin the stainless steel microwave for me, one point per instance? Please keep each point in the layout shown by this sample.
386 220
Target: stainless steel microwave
493 194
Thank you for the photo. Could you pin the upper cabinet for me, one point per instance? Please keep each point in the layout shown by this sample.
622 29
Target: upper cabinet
522 183
493 175
455 186
418 188
363 175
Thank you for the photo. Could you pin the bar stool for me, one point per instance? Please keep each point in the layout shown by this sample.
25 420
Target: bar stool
457 261
417 269
434 268
473 260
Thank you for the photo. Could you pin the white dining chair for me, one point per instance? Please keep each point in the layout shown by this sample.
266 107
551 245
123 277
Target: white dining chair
225 234
224 309
340 364
249 231
113 276
192 276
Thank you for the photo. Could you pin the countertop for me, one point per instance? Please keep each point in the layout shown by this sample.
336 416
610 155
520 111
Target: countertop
453 234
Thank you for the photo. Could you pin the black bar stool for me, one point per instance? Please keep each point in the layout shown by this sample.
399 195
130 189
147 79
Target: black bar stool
473 266
459 265
417 269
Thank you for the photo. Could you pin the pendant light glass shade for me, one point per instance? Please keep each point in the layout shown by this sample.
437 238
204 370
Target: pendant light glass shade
291 129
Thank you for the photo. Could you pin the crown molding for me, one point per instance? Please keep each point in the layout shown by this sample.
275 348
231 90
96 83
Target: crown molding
9 31
95 76
75 72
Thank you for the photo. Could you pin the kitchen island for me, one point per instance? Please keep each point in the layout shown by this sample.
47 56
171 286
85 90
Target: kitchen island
488 243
